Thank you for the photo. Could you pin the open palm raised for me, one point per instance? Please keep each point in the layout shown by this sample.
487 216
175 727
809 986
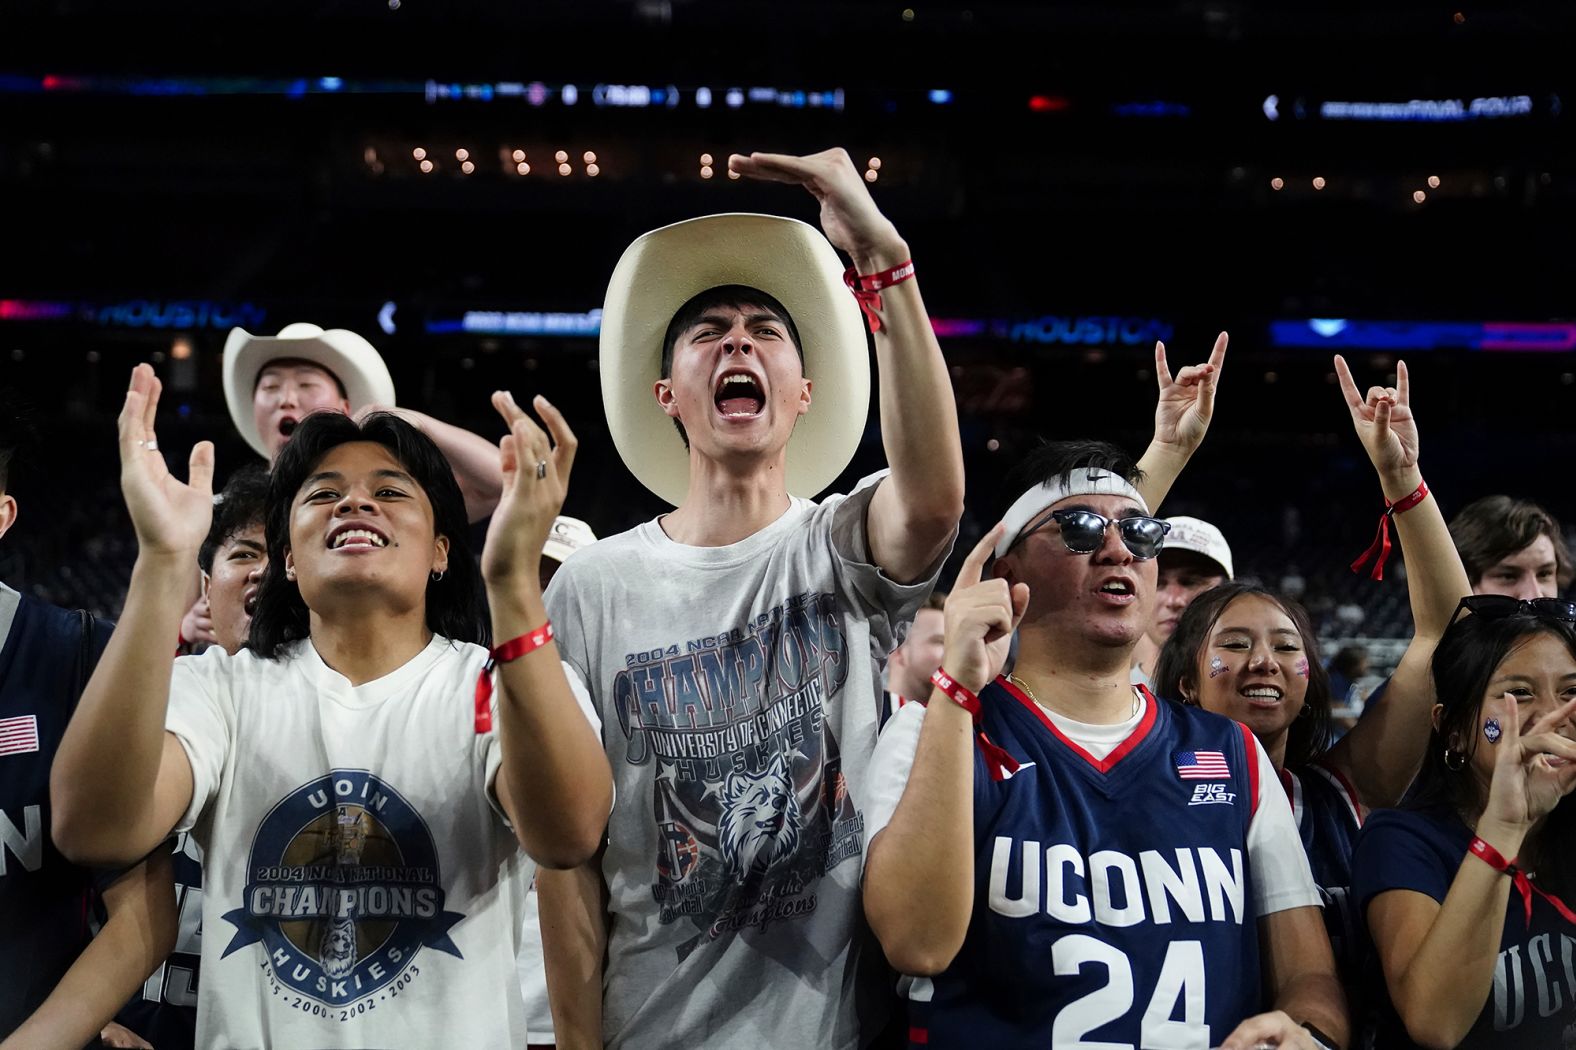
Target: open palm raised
170 516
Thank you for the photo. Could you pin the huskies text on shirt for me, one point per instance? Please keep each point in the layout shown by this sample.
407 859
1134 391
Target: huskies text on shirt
1120 874
739 690
360 885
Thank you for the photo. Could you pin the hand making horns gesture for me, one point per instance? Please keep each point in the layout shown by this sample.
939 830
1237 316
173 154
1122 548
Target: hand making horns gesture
1187 401
1534 767
1383 420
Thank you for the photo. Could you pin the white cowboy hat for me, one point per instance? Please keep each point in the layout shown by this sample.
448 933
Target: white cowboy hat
788 260
352 360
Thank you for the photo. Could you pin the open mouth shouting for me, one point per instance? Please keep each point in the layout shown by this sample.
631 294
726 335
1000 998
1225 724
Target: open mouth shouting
356 536
739 394
249 600
287 425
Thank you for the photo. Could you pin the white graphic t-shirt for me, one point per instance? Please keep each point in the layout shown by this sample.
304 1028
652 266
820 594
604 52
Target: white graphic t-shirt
740 700
361 886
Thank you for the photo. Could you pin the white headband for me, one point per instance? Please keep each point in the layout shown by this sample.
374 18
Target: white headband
1080 481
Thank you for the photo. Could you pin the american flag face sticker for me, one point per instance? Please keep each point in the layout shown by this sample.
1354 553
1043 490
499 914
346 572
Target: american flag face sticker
18 736
1202 765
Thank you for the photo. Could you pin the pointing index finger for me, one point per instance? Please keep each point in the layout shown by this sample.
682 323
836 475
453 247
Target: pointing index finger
1403 384
974 564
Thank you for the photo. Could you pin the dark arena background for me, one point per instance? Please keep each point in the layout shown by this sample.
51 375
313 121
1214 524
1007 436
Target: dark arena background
1385 180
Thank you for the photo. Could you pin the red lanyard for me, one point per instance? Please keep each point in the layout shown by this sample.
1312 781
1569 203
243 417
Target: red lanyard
1518 878
1000 764
1380 548
867 288
513 649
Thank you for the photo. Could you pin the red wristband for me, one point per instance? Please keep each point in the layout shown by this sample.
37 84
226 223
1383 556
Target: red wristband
998 762
960 695
1518 878
513 649
867 288
1379 550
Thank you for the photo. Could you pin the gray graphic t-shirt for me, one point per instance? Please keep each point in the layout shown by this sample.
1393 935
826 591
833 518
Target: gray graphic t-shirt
740 702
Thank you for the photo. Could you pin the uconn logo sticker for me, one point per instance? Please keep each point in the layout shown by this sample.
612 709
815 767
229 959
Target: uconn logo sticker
343 889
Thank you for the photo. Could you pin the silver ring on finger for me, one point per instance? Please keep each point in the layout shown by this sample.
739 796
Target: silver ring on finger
152 444
541 469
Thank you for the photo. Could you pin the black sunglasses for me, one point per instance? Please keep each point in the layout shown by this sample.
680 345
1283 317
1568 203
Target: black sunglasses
1499 606
1083 531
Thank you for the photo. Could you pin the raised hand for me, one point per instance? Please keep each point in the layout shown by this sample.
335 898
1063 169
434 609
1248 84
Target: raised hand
1383 420
1534 767
980 617
1187 402
170 517
849 215
535 481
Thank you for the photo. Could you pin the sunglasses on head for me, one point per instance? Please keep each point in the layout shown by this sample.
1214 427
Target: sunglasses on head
1499 606
1083 531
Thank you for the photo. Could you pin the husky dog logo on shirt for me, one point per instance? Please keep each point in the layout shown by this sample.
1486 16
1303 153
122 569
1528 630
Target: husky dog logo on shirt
345 887
760 820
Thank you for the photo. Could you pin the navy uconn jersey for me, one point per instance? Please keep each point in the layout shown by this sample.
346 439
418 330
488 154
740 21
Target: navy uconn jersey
1329 815
45 901
1114 903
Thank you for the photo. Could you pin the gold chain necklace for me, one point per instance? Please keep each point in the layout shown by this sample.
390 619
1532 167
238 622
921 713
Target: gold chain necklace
1021 684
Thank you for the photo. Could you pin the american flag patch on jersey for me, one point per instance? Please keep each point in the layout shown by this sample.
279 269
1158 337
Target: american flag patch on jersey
18 736
1201 765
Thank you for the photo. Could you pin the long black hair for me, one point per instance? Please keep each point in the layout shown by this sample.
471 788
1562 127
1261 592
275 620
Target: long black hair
1309 734
456 604
1464 664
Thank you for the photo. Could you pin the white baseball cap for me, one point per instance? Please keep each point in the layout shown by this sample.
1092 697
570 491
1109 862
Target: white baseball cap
567 536
1200 537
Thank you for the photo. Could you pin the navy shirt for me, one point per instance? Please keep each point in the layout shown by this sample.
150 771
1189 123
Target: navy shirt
45 901
1532 1003
1114 899
1328 814
165 1012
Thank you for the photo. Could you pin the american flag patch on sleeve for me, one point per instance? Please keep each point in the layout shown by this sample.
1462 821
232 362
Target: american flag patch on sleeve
18 736
1201 765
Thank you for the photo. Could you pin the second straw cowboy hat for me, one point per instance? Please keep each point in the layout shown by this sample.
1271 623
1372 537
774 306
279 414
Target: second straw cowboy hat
353 360
793 263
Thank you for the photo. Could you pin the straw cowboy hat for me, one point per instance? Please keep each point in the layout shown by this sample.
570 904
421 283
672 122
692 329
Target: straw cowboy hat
788 260
353 361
